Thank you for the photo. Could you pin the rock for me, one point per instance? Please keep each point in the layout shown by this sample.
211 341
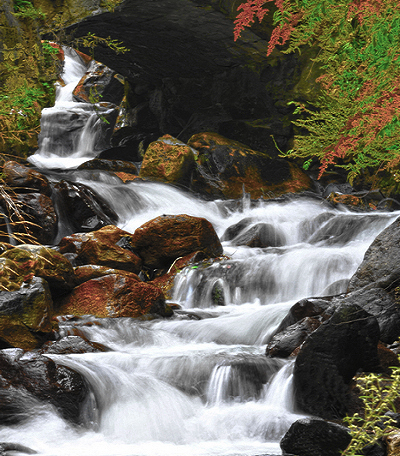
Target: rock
286 341
40 261
39 215
101 248
234 230
329 359
92 271
81 209
393 444
302 309
24 179
8 446
25 315
380 263
166 281
378 302
315 437
310 226
72 344
341 229
110 165
99 83
168 160
114 296
227 168
44 379
260 235
160 241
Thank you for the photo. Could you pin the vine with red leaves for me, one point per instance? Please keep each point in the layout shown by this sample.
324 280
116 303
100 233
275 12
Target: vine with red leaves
355 122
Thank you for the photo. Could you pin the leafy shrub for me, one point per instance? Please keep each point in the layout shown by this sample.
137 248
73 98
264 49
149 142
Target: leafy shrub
355 123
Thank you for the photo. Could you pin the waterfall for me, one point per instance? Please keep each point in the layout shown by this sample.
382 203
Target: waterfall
71 132
198 384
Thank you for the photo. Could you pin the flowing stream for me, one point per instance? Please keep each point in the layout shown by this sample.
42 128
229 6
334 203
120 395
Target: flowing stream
199 384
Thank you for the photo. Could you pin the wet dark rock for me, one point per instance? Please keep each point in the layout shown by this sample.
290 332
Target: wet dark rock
260 235
380 264
110 165
218 294
309 227
99 82
72 344
81 208
381 304
44 379
315 437
232 231
8 446
286 341
341 229
302 309
40 216
24 179
331 356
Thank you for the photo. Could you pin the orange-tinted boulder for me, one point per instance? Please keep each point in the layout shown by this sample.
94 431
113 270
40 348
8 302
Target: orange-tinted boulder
168 160
109 246
226 168
162 240
114 295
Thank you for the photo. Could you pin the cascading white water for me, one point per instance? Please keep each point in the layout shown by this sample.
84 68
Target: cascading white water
199 384
71 132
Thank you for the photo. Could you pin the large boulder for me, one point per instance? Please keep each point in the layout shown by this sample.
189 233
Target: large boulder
41 378
109 246
25 315
168 160
114 296
162 240
380 263
227 168
331 356
315 437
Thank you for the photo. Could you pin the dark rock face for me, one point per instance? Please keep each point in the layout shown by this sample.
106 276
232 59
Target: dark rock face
72 344
331 356
25 179
260 235
40 215
381 304
81 208
187 73
285 342
380 264
315 437
41 378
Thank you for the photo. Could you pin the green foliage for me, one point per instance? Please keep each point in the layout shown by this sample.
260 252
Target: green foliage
355 124
28 69
377 394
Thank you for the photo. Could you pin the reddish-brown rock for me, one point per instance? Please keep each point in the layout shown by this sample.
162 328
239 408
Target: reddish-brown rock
91 271
162 240
227 168
114 296
109 246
